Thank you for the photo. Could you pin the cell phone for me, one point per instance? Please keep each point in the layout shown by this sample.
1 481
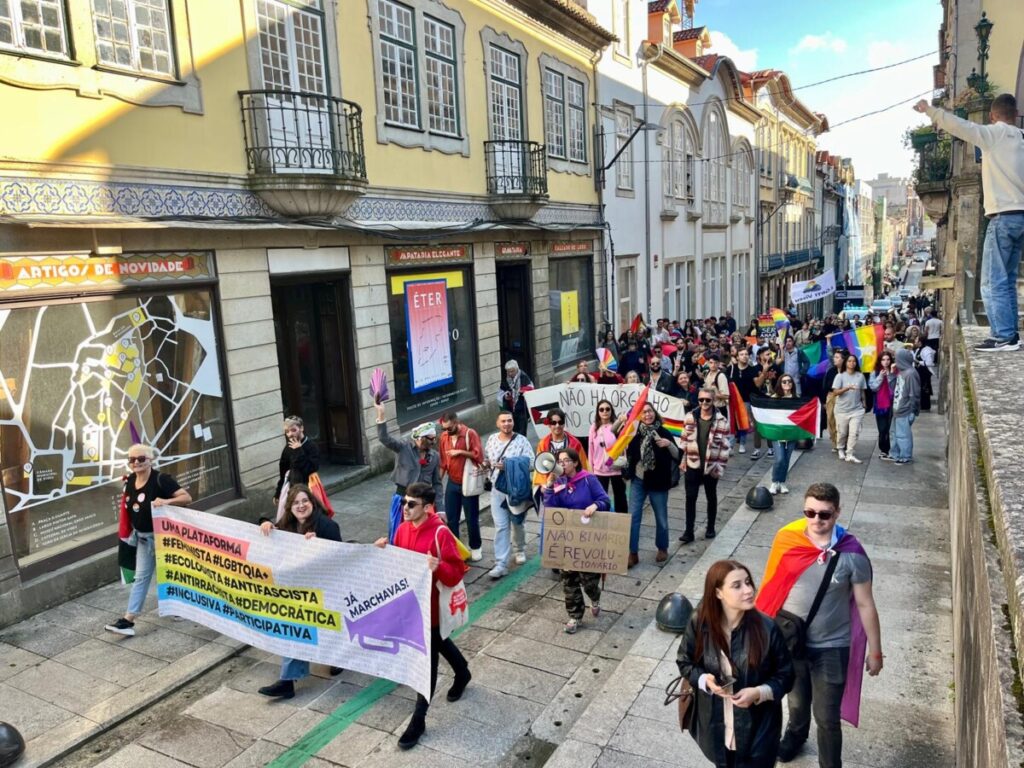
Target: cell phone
727 683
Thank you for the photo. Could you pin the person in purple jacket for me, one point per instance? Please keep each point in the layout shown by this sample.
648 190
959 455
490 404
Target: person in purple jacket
577 489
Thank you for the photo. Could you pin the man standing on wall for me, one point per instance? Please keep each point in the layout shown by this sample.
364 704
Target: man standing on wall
1002 183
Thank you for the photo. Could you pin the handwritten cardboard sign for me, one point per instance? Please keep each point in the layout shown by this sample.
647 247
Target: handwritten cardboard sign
598 546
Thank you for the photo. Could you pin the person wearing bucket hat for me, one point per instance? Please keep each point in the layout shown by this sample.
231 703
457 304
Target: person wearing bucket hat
416 460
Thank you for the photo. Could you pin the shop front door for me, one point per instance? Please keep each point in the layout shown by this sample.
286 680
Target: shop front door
313 324
515 315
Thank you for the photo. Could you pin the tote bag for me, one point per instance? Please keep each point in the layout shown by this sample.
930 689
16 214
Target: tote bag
472 477
452 602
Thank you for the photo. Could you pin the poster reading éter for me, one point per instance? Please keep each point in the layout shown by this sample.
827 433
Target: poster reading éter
426 321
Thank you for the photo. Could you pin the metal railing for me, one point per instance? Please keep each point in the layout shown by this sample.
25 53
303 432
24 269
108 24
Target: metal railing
298 132
516 168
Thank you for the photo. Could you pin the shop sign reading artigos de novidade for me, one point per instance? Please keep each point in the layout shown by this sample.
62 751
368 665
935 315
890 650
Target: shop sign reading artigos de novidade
55 272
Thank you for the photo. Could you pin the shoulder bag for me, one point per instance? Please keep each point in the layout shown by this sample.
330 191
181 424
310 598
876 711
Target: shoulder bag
793 627
472 477
487 479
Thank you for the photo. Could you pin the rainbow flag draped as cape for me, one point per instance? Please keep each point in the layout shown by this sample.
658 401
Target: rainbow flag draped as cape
629 428
793 553
817 355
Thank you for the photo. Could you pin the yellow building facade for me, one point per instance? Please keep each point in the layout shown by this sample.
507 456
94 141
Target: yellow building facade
213 214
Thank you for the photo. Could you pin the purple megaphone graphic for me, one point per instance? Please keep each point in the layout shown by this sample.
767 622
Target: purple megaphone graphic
386 628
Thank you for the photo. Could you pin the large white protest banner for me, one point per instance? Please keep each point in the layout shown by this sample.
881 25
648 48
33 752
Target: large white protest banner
344 605
579 401
816 288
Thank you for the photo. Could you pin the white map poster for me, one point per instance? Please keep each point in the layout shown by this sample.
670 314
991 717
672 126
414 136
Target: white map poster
427 331
344 605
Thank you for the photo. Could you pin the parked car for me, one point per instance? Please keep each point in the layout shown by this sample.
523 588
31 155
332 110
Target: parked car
881 306
854 312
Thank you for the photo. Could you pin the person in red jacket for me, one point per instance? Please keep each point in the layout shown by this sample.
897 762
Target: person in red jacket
417 532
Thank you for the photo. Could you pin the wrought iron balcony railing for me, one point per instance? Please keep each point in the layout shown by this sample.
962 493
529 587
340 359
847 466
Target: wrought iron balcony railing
516 168
292 132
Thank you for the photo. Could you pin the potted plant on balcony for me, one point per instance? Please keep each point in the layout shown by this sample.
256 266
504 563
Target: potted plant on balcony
921 137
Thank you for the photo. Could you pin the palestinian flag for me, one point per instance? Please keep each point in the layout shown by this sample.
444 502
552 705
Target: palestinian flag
786 418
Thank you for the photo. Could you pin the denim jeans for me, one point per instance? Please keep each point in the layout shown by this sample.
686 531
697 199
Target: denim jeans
506 527
819 684
1000 261
753 427
145 566
783 454
293 669
884 423
454 504
902 437
659 503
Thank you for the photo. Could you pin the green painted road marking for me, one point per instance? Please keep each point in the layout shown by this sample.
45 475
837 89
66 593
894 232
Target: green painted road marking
341 718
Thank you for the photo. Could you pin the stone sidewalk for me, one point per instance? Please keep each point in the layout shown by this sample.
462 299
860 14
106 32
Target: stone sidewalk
900 513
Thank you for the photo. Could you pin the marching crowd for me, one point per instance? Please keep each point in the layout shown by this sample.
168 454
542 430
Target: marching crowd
736 662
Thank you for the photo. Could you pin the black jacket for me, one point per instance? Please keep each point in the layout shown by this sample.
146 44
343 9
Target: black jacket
297 464
323 526
659 478
757 728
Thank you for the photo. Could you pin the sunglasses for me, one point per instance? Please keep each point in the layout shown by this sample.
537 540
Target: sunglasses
412 503
138 459
704 400
604 410
810 514
556 423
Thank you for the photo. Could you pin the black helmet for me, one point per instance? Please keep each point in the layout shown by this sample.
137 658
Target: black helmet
758 497
673 612
805 445
11 744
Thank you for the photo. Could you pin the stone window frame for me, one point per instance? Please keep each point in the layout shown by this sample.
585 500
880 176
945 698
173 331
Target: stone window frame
83 73
132 8
491 37
681 115
715 165
620 28
622 109
568 72
17 25
422 137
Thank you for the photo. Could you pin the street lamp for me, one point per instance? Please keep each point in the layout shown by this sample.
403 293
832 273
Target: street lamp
983 29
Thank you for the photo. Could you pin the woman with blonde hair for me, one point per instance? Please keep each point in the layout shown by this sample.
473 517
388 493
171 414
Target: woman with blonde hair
300 458
143 489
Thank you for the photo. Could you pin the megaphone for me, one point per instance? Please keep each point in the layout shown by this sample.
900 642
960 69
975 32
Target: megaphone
546 463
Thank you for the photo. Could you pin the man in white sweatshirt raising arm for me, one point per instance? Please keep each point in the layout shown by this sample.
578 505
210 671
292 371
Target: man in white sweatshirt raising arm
1002 182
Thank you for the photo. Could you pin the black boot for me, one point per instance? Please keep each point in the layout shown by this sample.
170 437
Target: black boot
687 537
282 689
461 681
335 671
789 747
412 734
709 533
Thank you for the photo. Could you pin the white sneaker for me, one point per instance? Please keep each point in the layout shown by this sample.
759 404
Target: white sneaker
520 558
853 459
783 488
476 555
773 488
842 455
756 454
743 449
497 572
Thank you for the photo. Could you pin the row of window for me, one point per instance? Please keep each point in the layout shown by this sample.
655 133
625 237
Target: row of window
133 35
420 83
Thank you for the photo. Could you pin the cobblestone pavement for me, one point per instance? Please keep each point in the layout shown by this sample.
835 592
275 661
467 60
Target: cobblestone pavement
537 694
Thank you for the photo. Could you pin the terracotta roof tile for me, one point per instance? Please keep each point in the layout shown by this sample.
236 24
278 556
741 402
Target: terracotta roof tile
689 34
578 12
658 6
706 62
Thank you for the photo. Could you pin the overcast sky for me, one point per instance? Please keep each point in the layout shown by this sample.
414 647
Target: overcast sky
812 40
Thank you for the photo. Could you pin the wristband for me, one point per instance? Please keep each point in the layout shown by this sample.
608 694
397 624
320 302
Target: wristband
877 655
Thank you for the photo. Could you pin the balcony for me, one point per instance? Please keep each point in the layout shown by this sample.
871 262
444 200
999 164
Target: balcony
304 151
517 178
934 155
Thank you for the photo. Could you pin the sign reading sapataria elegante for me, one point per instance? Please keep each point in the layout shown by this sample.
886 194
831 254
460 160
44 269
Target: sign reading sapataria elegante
344 605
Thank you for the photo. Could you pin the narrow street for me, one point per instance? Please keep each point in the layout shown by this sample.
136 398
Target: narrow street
540 696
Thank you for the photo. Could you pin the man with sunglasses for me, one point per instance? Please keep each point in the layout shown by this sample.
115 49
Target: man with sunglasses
418 532
416 459
842 639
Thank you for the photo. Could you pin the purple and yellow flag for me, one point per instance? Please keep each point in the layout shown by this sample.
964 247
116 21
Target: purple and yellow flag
817 354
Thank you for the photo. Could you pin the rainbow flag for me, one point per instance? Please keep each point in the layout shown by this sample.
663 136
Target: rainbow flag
605 359
675 426
864 343
791 554
781 320
638 324
738 419
817 355
629 428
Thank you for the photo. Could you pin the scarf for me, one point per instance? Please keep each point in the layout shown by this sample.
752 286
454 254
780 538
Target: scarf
793 553
514 386
647 446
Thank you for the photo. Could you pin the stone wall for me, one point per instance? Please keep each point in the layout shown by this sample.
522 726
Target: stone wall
986 494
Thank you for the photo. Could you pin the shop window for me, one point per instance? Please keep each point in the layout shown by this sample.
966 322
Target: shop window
571 300
87 380
433 342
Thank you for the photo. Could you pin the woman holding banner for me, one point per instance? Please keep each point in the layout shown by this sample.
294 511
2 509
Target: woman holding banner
652 454
143 490
303 514
603 433
577 489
